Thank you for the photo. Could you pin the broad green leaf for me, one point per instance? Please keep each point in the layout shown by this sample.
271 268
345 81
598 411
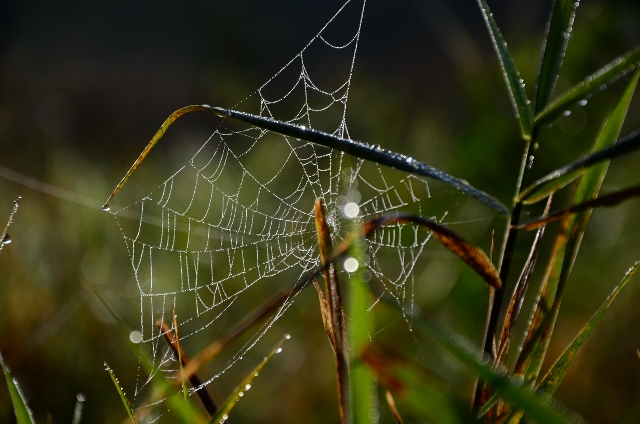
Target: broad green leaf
123 396
555 44
558 371
562 176
515 84
352 147
361 326
20 408
595 82
470 254
567 246
240 391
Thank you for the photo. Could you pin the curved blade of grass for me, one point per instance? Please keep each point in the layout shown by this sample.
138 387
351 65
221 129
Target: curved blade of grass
416 389
4 237
337 325
567 246
608 200
355 148
479 362
515 84
559 178
360 327
470 254
595 82
20 408
239 391
558 371
123 396
392 405
555 44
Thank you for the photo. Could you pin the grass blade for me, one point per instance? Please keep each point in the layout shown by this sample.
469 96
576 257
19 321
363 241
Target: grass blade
337 329
239 391
556 40
595 82
4 237
515 85
470 254
173 342
123 396
479 362
20 408
608 200
355 148
361 326
567 246
392 405
566 174
556 374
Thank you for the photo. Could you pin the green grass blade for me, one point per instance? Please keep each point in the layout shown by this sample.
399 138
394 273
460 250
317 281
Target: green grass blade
568 244
123 396
556 40
4 236
477 361
20 408
240 391
355 148
360 328
415 390
566 174
595 82
559 370
515 84
608 200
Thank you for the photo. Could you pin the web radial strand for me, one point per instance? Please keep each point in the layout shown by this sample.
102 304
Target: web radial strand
238 216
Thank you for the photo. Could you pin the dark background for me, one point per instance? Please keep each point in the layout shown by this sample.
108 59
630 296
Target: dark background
83 86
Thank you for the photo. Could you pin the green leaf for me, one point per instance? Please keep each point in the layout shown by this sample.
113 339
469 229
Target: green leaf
240 391
477 361
559 370
360 327
352 147
123 396
595 82
515 84
416 391
20 408
562 176
556 40
567 246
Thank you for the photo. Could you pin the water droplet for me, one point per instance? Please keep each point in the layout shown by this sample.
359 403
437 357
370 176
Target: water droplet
106 207
255 374
278 350
135 337
287 336
376 147
205 105
582 102
240 394
409 159
81 397
302 127
351 210
351 265
247 387
6 239
566 113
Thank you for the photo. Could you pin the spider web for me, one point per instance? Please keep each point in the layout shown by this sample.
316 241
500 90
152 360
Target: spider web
240 214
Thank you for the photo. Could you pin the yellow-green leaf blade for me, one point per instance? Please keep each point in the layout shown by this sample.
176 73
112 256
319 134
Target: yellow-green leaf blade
20 408
239 391
123 396
559 370
590 85
515 84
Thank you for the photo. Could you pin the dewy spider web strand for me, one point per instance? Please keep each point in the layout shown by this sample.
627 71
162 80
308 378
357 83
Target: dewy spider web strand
241 212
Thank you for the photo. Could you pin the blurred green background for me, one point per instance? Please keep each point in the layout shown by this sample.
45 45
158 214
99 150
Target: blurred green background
83 87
